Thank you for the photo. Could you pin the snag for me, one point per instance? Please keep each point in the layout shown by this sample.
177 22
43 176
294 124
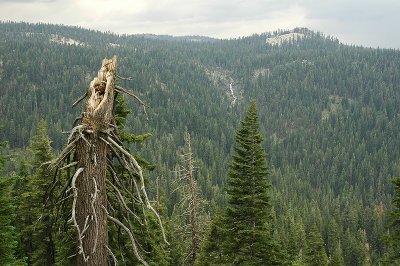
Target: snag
95 144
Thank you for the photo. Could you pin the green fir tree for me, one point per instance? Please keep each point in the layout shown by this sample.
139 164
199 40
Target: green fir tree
337 257
315 254
392 256
37 229
248 216
20 187
211 252
8 241
8 234
395 229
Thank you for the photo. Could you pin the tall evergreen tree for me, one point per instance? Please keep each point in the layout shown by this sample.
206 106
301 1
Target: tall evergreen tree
20 187
8 239
337 257
37 230
248 216
212 252
315 254
392 256
395 232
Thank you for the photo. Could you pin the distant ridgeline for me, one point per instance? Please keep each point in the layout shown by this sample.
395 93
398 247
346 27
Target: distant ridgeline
330 113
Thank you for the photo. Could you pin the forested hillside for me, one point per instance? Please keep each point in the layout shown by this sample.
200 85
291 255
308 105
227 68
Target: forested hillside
330 114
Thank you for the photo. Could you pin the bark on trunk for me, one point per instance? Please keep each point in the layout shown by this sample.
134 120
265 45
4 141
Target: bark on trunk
94 161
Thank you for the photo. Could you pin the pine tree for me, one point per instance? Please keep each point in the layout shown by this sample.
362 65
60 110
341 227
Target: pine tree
211 252
337 257
296 239
363 249
20 187
248 216
37 229
8 239
392 256
315 252
395 232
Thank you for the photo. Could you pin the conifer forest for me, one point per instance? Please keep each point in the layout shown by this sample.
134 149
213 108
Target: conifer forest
159 150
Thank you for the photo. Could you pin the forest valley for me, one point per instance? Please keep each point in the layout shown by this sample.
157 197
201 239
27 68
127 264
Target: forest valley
280 148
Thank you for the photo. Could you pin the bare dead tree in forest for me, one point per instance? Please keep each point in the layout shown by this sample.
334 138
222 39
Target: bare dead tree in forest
190 203
94 145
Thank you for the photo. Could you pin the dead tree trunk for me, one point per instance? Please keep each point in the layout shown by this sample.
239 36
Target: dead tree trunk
91 153
96 144
190 202
91 187
194 202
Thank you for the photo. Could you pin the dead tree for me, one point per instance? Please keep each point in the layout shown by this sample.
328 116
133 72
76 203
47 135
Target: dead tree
95 144
190 203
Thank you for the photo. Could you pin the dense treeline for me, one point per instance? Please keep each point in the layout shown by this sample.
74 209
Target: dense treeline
330 114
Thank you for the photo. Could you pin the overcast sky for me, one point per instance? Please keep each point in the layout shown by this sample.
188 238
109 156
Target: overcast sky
369 23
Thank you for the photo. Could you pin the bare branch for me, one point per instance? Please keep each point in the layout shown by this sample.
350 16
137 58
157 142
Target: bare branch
159 221
78 129
105 141
120 183
112 255
64 153
94 198
80 99
129 232
124 163
140 174
122 201
73 216
64 199
49 192
123 78
117 139
65 188
122 90
129 225
78 119
68 165
85 226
